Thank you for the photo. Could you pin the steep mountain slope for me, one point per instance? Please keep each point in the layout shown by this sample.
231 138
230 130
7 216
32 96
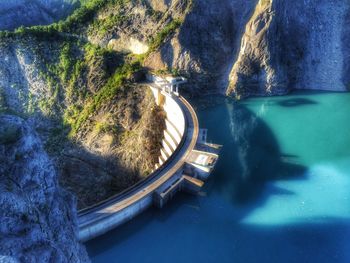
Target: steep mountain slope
100 128
71 99
38 218
239 47
17 13
84 123
293 45
262 47
206 44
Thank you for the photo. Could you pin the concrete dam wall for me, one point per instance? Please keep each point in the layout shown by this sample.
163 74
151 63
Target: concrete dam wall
182 153
95 222
175 123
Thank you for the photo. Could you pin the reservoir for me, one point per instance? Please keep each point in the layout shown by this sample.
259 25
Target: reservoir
280 191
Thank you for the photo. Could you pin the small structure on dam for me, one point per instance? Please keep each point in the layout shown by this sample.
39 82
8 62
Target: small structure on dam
185 162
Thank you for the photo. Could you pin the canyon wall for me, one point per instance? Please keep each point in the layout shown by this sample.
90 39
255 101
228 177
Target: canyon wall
114 145
38 217
40 162
293 45
205 46
74 112
237 47
15 13
260 47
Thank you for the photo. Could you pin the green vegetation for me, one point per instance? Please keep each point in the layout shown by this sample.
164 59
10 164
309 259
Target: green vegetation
103 127
159 39
66 76
88 92
173 71
103 26
85 13
80 17
52 74
106 93
69 70
66 61
67 81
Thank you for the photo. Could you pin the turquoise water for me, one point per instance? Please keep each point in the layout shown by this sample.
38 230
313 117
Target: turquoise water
280 191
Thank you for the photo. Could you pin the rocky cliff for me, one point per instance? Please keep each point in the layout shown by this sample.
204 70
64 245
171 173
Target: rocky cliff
38 217
70 112
99 130
73 109
241 48
293 45
17 13
205 46
262 47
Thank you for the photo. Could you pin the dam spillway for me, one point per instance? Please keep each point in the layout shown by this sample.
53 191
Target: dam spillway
185 161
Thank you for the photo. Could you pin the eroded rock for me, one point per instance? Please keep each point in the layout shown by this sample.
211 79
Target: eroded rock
38 218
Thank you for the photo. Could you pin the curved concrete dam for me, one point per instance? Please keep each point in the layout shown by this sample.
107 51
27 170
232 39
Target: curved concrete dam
293 201
185 161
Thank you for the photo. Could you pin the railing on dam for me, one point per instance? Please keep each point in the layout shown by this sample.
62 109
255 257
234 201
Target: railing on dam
179 141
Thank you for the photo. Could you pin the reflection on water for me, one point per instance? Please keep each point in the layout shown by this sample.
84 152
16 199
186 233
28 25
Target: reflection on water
296 102
280 191
256 152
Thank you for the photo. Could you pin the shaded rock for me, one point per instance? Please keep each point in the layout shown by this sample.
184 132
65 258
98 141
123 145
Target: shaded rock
16 13
38 218
292 45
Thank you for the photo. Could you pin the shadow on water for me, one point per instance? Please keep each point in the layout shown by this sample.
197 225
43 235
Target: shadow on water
296 102
120 235
301 242
251 157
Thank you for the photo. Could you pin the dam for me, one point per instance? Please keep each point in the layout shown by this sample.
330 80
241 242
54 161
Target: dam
185 162
294 203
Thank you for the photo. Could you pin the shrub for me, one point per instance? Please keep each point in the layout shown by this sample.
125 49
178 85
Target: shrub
158 40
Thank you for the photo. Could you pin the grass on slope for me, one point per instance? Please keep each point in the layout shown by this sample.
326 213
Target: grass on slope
70 67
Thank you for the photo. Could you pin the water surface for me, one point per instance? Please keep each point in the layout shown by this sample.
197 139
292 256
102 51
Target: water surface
280 191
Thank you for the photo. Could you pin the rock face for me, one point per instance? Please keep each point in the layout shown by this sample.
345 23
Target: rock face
85 122
17 13
119 146
138 23
263 47
255 58
160 5
51 82
205 46
238 47
114 148
293 45
38 218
